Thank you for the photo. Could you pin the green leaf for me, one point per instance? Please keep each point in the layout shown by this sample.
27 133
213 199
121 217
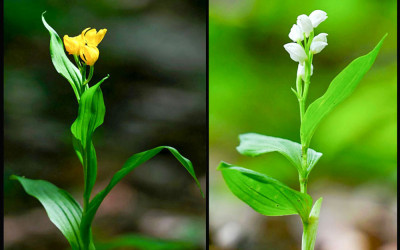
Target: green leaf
61 62
133 162
253 144
62 209
339 89
91 114
265 194
311 226
143 242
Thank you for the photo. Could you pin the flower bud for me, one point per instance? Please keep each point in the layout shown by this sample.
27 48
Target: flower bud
89 54
73 44
302 72
317 17
296 52
296 34
317 46
320 38
305 24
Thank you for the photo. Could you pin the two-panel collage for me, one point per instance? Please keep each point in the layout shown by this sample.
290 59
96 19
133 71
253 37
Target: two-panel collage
195 124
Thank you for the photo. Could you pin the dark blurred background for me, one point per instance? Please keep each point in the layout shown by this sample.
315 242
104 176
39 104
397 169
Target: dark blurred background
250 79
155 53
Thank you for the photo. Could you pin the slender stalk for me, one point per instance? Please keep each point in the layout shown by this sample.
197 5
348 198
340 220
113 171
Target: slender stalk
308 239
90 75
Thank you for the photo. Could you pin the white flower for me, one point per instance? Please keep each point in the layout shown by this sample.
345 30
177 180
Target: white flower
305 24
317 17
318 43
320 38
301 70
296 52
296 33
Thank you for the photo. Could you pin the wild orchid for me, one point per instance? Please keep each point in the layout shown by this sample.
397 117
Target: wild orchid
265 194
64 211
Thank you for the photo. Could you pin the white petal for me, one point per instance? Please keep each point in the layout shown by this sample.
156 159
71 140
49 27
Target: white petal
321 38
305 24
317 17
296 33
312 69
301 71
296 52
317 46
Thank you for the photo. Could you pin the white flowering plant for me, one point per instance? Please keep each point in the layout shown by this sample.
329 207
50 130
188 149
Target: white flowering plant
266 195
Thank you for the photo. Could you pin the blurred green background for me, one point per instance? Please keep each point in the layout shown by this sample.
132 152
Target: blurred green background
155 53
250 79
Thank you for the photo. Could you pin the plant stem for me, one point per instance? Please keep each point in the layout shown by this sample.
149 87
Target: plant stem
90 75
308 238
306 244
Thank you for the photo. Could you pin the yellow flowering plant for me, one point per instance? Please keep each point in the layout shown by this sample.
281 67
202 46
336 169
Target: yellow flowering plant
63 210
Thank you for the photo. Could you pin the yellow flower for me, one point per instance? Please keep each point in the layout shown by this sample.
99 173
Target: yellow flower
89 54
85 45
91 37
73 44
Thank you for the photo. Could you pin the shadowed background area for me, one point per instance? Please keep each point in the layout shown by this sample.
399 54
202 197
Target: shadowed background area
155 53
250 79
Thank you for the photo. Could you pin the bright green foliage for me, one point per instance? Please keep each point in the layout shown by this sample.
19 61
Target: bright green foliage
61 62
253 144
265 194
133 162
311 226
141 242
61 208
90 116
270 197
339 89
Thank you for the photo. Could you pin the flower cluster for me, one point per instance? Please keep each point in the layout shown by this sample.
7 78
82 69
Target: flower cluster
305 45
85 45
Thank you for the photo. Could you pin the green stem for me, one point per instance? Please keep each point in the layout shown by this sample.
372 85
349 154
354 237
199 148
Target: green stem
90 75
78 63
306 243
309 228
83 72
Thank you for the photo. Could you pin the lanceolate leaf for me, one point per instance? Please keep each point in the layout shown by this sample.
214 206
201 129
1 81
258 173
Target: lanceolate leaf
133 162
61 208
265 194
90 116
339 89
61 62
253 144
140 242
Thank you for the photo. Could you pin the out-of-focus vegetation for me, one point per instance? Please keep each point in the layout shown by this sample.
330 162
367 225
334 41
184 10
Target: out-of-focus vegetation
250 79
155 53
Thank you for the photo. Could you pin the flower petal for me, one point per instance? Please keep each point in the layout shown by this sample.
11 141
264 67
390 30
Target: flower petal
89 54
73 44
321 38
93 38
305 24
296 52
317 17
296 34
317 46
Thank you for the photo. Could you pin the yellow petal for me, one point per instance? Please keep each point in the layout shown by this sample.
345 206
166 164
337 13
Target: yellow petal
73 44
89 54
93 38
